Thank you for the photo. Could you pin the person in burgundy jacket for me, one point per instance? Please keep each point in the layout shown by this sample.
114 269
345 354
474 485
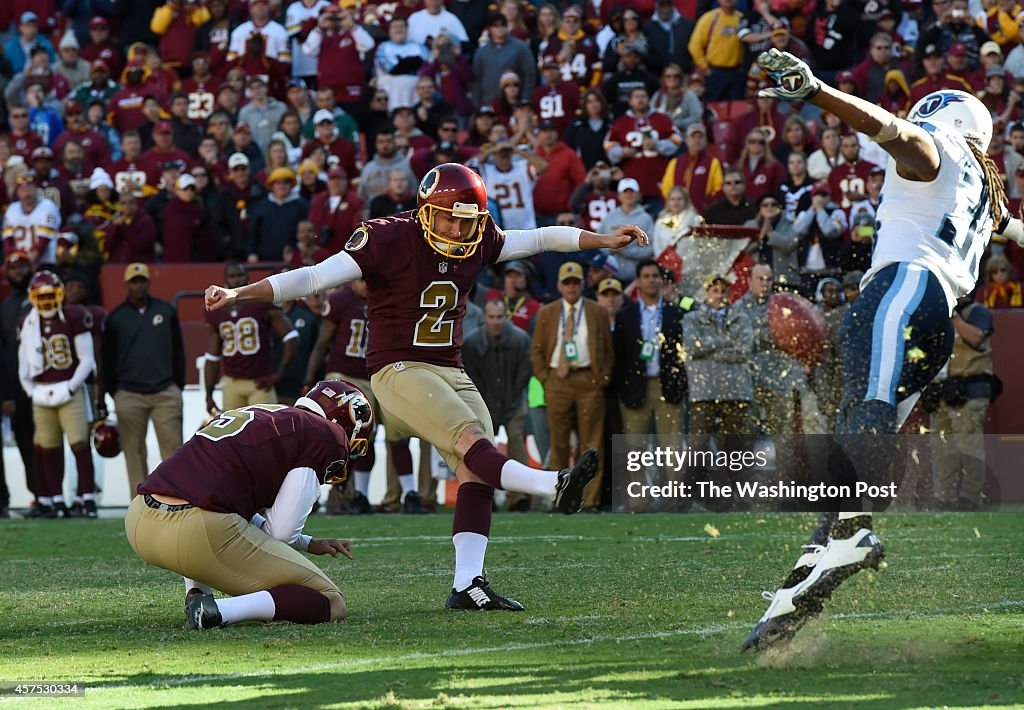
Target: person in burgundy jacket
131 236
556 184
337 212
186 237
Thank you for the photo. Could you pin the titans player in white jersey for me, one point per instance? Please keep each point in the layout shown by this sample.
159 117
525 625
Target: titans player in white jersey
942 200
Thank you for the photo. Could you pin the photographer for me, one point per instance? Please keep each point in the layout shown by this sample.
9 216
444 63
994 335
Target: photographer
337 212
820 230
958 405
954 24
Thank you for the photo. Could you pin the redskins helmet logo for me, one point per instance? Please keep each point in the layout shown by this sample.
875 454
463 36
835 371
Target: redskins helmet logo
358 240
429 183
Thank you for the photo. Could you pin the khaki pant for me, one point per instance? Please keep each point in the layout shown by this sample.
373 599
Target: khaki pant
134 410
52 423
958 450
581 394
221 550
237 393
432 402
668 418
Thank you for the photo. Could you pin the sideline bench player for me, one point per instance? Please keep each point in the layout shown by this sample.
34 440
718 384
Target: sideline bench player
942 200
198 513
419 267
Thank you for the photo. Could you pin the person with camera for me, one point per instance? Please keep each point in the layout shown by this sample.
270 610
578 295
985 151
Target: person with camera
176 23
953 24
819 229
340 43
337 212
958 406
641 141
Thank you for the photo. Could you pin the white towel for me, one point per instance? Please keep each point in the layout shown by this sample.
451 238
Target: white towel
30 346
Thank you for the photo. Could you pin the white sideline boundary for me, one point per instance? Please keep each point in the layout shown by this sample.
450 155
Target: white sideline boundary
505 648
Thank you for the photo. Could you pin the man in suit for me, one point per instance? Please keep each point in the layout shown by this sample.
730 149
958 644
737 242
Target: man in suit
649 376
573 358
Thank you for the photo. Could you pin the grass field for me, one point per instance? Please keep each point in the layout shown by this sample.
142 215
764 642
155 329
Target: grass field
637 611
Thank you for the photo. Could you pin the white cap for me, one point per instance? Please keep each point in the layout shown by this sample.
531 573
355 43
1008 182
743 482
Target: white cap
186 180
628 184
321 116
237 159
100 177
68 40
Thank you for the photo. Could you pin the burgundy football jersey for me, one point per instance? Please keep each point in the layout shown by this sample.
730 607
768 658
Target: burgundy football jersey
557 104
417 296
648 166
60 359
849 178
236 463
348 349
244 330
202 97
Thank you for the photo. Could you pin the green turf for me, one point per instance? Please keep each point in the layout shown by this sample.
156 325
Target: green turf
629 611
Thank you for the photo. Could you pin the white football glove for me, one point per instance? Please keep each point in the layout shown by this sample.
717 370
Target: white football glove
55 394
792 76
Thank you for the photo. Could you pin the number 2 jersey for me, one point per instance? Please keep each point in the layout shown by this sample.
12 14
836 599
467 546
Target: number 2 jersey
943 225
245 350
236 464
417 297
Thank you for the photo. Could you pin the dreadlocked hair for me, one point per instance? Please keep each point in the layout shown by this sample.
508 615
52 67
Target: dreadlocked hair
995 183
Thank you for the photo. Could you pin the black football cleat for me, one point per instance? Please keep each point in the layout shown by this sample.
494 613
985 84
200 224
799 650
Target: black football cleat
360 505
572 481
61 510
480 597
201 612
89 509
41 511
413 504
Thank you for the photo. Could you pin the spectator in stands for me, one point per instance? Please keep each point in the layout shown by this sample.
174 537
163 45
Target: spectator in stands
556 100
696 170
275 219
502 55
289 132
520 307
955 25
649 375
433 22
763 173
144 370
795 191
510 173
586 133
629 211
327 137
556 184
676 220
734 208
827 376
819 229
376 174
958 423
609 296
51 183
72 67
1001 288
307 249
717 342
777 244
186 236
497 359
186 133
658 139
848 180
97 150
869 75
176 24
398 62
398 198
834 27
310 183
18 48
275 37
618 88
340 44
222 217
630 38
1014 63
452 74
299 101
164 150
337 212
763 115
935 78
573 359
717 50
676 101
100 48
431 109
23 140
131 235
851 286
262 114
828 156
667 35
796 137
241 142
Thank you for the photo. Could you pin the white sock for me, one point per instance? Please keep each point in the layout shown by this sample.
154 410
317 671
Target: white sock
45 500
470 549
258 606
521 478
408 483
362 482
89 496
58 499
191 584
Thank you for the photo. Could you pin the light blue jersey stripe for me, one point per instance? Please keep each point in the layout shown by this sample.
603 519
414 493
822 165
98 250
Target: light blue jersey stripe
888 339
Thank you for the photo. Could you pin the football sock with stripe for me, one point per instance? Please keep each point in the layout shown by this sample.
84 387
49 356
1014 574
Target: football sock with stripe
471 527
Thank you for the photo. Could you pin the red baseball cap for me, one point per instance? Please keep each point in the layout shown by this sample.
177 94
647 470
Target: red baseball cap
72 107
162 127
15 256
99 22
99 64
337 173
958 49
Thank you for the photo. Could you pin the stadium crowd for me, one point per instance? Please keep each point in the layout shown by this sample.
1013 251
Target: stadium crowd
266 131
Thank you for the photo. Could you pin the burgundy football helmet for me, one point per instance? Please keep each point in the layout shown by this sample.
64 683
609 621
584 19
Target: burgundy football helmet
106 439
458 192
347 406
46 293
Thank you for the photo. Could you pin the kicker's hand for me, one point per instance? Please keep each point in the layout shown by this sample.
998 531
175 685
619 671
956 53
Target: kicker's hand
627 234
219 297
793 78
329 546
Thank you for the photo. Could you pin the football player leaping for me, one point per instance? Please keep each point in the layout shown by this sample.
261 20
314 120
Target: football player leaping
943 199
419 268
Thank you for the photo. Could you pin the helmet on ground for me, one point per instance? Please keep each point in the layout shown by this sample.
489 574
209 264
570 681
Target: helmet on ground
345 405
106 439
46 293
957 110
454 191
